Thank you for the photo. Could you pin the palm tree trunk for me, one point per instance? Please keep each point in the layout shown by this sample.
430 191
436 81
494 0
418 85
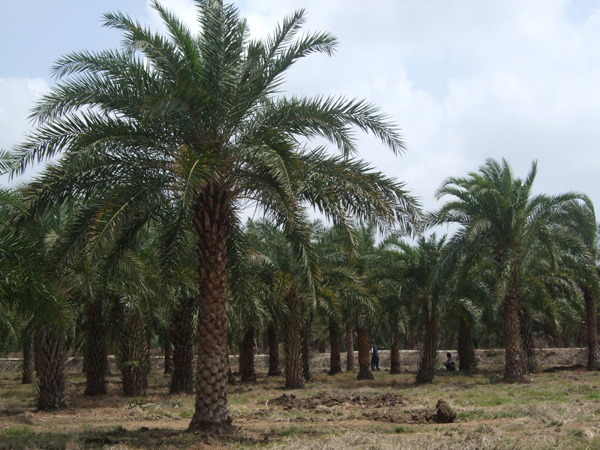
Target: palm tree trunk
95 356
350 347
182 339
294 378
273 339
212 223
335 358
247 372
28 369
395 354
466 352
364 355
513 368
50 357
530 364
306 350
134 354
168 353
429 356
593 362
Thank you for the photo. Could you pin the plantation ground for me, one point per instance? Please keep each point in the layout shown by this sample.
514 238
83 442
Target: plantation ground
552 410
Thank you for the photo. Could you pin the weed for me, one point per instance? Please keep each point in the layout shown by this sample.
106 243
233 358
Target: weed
291 431
17 432
186 414
400 430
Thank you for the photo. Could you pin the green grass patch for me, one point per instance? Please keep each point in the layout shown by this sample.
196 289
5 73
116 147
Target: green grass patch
17 432
186 413
290 431
473 415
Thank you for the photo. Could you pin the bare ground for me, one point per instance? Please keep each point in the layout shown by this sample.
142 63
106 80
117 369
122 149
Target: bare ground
552 410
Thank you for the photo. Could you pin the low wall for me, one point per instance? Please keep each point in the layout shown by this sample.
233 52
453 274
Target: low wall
491 359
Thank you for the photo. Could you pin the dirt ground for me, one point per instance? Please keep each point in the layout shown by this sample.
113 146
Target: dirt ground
559 409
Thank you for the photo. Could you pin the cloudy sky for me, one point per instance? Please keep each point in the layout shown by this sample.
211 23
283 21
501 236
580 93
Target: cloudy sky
465 80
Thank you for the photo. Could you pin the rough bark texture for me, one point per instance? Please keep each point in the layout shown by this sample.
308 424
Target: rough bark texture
182 339
168 354
134 355
593 362
466 351
364 355
28 368
335 358
247 372
350 363
273 340
294 378
306 351
530 364
513 368
50 357
95 356
395 354
212 223
429 355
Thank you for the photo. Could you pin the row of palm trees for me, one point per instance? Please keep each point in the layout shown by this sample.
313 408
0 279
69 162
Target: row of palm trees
395 289
156 149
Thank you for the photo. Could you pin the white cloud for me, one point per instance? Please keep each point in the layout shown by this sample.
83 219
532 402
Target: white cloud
18 96
465 80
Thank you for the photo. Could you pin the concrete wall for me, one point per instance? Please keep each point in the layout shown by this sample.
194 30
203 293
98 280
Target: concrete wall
492 359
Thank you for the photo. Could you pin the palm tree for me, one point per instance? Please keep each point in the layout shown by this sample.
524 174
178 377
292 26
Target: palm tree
497 211
281 271
587 231
365 312
195 120
422 284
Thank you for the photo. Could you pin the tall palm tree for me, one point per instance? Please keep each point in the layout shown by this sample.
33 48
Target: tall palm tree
196 120
498 212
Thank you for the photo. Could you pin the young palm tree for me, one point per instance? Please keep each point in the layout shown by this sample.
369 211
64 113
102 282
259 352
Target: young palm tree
195 120
280 270
421 283
499 213
340 289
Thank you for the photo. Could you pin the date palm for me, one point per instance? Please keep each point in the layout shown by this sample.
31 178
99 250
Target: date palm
197 120
497 212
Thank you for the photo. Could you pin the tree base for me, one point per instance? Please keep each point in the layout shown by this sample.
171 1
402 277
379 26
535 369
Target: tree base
95 392
275 373
335 371
515 379
365 375
220 428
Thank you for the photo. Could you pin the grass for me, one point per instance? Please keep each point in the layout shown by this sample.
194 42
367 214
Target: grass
555 410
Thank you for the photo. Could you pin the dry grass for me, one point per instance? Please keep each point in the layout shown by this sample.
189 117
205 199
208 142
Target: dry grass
553 410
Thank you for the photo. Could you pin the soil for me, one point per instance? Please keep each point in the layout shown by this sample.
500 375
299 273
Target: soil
467 410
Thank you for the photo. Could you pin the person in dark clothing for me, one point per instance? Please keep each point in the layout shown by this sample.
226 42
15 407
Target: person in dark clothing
450 363
374 357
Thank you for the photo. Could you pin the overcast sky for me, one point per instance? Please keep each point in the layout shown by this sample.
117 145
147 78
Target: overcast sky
465 80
